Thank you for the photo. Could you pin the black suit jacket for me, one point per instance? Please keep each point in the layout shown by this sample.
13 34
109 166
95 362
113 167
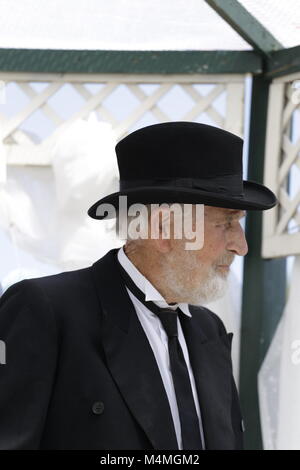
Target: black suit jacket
80 372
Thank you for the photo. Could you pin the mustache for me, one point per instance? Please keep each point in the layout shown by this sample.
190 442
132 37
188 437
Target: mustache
227 260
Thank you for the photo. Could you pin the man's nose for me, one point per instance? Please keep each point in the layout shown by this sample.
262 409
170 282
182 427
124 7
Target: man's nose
237 242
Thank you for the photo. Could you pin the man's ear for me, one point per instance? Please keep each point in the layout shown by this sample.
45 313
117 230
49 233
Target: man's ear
160 229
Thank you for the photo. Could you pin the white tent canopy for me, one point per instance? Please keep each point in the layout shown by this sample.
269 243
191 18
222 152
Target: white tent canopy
138 24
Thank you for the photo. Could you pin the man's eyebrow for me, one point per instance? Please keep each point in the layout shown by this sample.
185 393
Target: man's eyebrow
232 215
236 215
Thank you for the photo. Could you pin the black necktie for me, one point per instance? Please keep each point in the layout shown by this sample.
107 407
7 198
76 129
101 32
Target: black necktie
189 422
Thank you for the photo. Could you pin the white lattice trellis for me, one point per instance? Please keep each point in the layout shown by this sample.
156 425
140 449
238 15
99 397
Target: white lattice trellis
20 148
281 225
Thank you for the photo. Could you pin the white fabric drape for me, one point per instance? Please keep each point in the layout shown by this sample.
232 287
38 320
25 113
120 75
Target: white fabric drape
44 210
279 377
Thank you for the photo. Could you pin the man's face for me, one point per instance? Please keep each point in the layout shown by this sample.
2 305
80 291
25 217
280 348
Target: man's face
200 276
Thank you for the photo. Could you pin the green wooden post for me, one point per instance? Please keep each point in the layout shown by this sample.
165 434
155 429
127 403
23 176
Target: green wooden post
264 284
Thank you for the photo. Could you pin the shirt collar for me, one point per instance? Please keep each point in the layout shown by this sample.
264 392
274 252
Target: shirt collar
151 293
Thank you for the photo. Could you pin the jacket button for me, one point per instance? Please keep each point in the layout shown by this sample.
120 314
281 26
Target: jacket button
98 407
243 426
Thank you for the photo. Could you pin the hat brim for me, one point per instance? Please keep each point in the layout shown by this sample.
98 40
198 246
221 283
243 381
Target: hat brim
256 197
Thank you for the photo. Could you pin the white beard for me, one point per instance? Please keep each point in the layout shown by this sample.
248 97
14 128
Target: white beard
210 289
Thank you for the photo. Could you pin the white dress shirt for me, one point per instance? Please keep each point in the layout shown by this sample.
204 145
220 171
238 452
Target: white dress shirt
158 338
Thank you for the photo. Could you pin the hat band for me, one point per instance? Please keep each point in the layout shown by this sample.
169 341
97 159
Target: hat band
229 185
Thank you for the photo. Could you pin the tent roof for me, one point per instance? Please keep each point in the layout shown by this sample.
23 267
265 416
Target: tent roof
138 24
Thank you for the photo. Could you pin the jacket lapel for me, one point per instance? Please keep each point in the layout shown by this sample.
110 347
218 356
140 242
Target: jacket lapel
130 357
211 363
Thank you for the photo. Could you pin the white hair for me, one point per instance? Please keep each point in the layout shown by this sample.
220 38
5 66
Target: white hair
124 220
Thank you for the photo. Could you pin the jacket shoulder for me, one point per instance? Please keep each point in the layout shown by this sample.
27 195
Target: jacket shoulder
55 294
211 323
57 281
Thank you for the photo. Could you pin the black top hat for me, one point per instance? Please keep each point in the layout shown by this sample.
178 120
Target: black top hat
184 162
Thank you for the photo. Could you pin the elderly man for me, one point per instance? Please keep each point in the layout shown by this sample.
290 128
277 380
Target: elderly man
123 354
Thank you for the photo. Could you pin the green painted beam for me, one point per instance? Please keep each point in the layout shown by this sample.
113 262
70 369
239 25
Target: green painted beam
264 280
136 62
283 62
246 25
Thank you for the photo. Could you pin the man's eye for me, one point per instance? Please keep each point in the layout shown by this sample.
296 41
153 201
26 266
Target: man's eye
225 224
